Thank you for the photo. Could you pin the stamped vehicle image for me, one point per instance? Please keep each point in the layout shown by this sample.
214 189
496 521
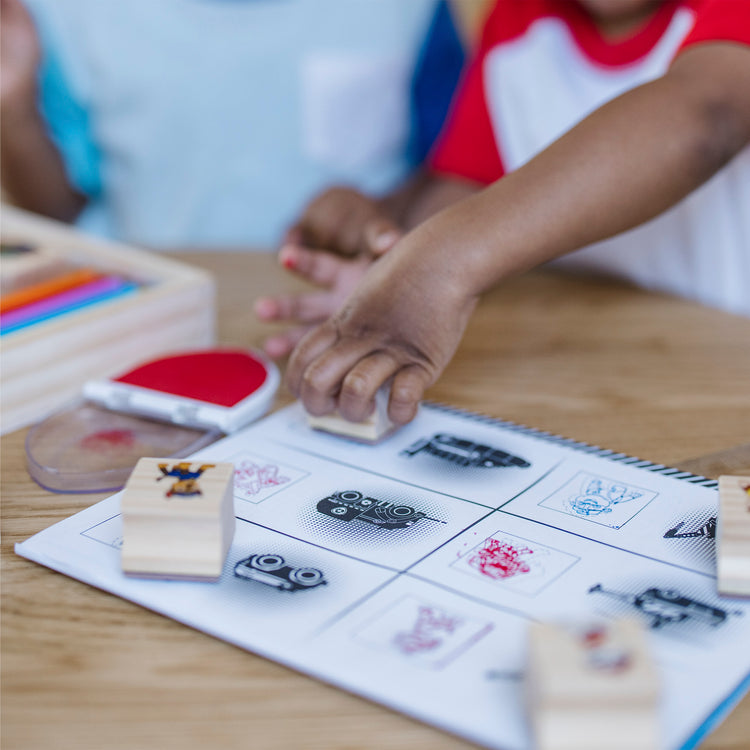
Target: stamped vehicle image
272 570
465 452
707 530
351 505
668 606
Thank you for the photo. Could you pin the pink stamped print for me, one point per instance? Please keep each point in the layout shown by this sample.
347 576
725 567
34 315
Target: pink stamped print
428 631
252 477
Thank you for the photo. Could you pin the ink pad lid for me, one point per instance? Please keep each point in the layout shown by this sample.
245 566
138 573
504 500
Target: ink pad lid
168 407
87 448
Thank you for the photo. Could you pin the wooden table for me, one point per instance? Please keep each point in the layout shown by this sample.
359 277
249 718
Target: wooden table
644 374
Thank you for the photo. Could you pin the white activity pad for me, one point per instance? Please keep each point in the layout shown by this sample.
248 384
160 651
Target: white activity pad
410 571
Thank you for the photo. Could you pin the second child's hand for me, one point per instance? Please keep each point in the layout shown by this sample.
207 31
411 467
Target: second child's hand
335 276
20 55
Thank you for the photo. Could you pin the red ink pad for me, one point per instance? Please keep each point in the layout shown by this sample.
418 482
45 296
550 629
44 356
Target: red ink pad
224 389
169 407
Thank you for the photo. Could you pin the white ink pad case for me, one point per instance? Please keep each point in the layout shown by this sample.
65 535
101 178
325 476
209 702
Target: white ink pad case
169 407
223 389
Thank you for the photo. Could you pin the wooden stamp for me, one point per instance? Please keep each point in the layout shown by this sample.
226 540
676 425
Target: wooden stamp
178 519
592 687
370 430
733 536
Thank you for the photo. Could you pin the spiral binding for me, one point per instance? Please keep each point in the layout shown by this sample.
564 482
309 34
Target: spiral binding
577 445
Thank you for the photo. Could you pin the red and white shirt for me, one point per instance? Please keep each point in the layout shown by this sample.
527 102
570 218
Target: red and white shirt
543 66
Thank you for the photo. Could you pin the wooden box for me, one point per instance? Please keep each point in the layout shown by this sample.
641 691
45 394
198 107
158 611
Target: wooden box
44 366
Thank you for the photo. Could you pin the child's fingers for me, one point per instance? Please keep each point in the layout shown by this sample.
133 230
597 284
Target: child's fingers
282 344
296 308
407 390
357 396
266 309
319 365
350 239
316 266
323 377
314 343
380 235
323 217
293 235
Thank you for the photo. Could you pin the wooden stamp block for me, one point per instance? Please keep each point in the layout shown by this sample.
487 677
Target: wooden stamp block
178 519
593 687
370 430
733 536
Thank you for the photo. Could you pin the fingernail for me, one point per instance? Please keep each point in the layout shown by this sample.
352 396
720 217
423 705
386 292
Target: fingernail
275 347
264 307
386 240
286 257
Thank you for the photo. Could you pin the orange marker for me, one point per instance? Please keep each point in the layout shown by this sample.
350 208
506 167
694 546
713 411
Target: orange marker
44 289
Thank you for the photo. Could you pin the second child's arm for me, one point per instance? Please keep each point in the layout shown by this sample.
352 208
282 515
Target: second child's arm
33 174
624 164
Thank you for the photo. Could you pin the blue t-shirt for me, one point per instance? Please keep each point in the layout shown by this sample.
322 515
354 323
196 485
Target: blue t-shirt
210 123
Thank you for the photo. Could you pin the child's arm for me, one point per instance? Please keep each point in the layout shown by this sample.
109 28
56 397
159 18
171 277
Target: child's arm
33 175
624 164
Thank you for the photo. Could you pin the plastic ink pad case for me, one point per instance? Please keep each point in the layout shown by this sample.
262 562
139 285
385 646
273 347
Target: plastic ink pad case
168 407
223 389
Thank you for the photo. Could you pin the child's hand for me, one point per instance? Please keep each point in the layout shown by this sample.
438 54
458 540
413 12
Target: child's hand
336 275
339 222
404 321
344 221
20 54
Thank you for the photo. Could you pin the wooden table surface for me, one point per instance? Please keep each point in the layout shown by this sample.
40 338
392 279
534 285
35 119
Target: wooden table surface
644 374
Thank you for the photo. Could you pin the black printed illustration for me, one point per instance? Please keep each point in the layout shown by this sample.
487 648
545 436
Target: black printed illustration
272 570
668 606
351 505
465 452
706 530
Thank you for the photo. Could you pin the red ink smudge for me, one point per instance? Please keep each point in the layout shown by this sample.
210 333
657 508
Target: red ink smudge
594 637
500 560
108 439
